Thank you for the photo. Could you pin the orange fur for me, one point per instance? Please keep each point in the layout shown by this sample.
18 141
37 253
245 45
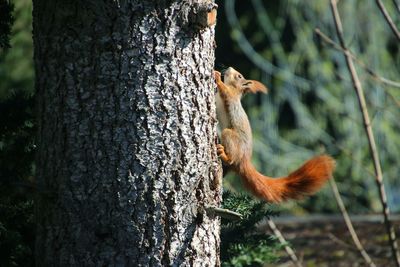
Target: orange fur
304 181
236 146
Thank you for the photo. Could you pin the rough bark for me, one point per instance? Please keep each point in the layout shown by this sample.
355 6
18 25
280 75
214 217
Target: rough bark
126 162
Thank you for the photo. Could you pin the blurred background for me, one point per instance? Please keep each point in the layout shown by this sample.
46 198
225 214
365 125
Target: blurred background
311 107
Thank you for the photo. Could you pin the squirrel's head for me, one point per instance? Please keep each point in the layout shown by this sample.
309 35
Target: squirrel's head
233 78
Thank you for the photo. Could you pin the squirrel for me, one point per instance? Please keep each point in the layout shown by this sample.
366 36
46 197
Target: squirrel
235 149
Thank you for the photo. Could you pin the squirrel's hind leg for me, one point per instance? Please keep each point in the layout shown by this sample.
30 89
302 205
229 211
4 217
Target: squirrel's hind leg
229 151
222 154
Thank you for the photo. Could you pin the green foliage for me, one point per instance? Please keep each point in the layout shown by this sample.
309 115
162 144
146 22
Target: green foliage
16 233
241 243
16 141
16 63
16 171
6 20
252 254
17 133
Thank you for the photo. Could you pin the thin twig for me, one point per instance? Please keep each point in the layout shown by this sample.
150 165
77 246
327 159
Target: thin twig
394 99
349 224
282 240
397 5
341 242
336 46
388 19
388 92
371 140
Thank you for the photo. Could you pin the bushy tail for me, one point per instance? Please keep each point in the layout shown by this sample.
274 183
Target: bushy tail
304 181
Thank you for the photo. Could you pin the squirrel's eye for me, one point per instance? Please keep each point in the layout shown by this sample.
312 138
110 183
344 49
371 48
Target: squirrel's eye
239 76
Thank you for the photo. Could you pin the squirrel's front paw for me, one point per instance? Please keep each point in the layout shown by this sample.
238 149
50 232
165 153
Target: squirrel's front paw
217 76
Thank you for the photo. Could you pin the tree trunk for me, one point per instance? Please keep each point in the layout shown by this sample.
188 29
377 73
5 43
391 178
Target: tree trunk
126 163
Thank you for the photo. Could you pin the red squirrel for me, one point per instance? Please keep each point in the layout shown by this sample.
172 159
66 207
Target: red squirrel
235 149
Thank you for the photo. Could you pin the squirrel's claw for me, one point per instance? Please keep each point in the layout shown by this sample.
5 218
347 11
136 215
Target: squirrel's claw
217 76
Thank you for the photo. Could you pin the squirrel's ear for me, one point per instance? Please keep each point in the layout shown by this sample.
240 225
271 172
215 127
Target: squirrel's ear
253 86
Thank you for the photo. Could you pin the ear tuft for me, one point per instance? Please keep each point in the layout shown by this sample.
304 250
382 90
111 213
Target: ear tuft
253 86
